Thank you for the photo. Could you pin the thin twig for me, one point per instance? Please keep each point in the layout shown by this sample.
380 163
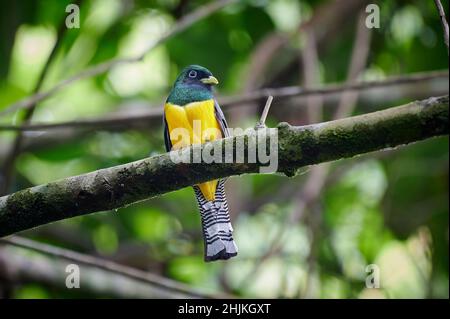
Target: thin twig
262 120
182 25
266 110
236 101
444 22
112 121
104 265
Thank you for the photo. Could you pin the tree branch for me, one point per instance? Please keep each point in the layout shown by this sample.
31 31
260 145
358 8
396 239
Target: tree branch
235 101
114 187
443 21
97 275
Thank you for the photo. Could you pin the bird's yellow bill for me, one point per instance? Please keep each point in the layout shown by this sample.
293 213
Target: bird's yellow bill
210 80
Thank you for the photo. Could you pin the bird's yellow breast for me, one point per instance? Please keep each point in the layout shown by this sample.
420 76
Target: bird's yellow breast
193 123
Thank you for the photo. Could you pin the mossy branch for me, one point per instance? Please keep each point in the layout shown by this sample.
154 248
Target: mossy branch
122 185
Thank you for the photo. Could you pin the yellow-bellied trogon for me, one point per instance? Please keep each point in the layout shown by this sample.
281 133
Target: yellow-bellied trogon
192 108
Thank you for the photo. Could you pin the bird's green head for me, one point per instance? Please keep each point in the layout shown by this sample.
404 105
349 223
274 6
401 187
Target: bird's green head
193 84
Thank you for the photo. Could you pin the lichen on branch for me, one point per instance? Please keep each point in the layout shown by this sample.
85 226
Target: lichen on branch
298 146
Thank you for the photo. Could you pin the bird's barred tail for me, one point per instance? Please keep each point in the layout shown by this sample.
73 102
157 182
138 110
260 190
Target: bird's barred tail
216 225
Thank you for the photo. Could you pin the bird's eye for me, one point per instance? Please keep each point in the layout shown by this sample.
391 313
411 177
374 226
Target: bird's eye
192 74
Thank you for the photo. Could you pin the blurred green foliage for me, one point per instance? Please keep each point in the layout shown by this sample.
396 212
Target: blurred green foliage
388 208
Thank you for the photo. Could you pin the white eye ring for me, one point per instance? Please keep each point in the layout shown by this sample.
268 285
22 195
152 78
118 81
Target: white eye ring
192 74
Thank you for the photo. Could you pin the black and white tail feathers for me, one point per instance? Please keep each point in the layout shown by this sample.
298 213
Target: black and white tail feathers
216 225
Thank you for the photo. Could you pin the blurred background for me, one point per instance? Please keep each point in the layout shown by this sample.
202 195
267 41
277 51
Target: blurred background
311 236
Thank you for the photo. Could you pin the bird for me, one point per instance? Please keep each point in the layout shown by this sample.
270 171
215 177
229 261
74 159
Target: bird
191 106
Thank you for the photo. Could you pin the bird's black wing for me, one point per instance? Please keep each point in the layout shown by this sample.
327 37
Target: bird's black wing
167 141
222 122
221 119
